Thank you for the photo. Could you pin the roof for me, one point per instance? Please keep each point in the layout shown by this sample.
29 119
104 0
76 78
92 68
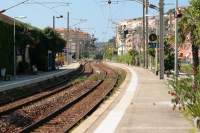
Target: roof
7 19
72 31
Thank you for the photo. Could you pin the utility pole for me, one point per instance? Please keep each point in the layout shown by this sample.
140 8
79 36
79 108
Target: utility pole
162 67
68 45
176 42
143 34
14 49
146 33
14 43
156 62
54 23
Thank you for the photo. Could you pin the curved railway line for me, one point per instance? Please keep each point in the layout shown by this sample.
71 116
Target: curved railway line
52 89
62 108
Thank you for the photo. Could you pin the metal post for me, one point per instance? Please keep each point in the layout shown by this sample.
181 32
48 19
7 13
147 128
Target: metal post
156 62
146 34
14 51
176 43
161 40
53 22
68 45
122 47
14 45
143 34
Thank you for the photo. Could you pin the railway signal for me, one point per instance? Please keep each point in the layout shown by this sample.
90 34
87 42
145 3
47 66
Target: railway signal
153 40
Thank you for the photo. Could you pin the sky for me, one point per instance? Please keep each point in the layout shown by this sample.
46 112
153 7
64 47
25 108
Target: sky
100 17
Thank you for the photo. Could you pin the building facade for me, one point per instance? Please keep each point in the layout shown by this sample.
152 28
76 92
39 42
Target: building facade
76 43
133 39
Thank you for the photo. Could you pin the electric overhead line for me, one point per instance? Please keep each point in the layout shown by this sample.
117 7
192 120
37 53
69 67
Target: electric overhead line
44 5
4 10
55 2
106 17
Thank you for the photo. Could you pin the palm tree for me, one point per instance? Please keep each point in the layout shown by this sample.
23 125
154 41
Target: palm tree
189 25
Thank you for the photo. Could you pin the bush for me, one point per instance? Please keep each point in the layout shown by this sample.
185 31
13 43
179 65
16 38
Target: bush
126 58
40 42
185 97
186 68
169 56
6 47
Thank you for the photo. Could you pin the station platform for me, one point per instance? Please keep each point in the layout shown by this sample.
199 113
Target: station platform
141 105
23 80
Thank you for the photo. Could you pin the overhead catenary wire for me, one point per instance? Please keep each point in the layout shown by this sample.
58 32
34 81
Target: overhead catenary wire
104 16
50 3
4 10
44 5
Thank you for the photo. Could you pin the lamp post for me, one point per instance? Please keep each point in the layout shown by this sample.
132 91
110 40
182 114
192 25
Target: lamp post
14 44
143 34
176 42
146 33
156 60
61 16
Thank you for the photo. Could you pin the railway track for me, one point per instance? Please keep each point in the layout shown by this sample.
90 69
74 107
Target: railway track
11 96
63 109
86 69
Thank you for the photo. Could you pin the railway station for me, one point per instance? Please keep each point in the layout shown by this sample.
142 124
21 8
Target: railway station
99 66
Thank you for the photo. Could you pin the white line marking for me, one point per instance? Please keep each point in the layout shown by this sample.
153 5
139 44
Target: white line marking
109 124
36 79
157 128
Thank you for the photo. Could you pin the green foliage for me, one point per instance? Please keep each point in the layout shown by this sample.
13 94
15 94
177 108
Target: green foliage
151 52
185 96
109 49
126 58
186 92
133 52
130 58
169 56
186 68
6 47
40 42
190 25
108 54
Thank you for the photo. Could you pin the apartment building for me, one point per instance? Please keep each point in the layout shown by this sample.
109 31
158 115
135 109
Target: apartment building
134 38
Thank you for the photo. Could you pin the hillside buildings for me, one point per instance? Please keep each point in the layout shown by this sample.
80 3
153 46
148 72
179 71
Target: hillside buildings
134 38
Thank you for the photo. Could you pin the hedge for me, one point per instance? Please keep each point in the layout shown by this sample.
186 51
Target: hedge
40 42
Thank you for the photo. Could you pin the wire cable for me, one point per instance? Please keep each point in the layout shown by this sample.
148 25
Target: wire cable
4 10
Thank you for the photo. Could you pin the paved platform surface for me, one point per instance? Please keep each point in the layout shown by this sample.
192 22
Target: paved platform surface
29 79
145 107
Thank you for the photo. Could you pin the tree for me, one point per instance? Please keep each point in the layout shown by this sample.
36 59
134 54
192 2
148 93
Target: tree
169 56
134 57
190 25
108 52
